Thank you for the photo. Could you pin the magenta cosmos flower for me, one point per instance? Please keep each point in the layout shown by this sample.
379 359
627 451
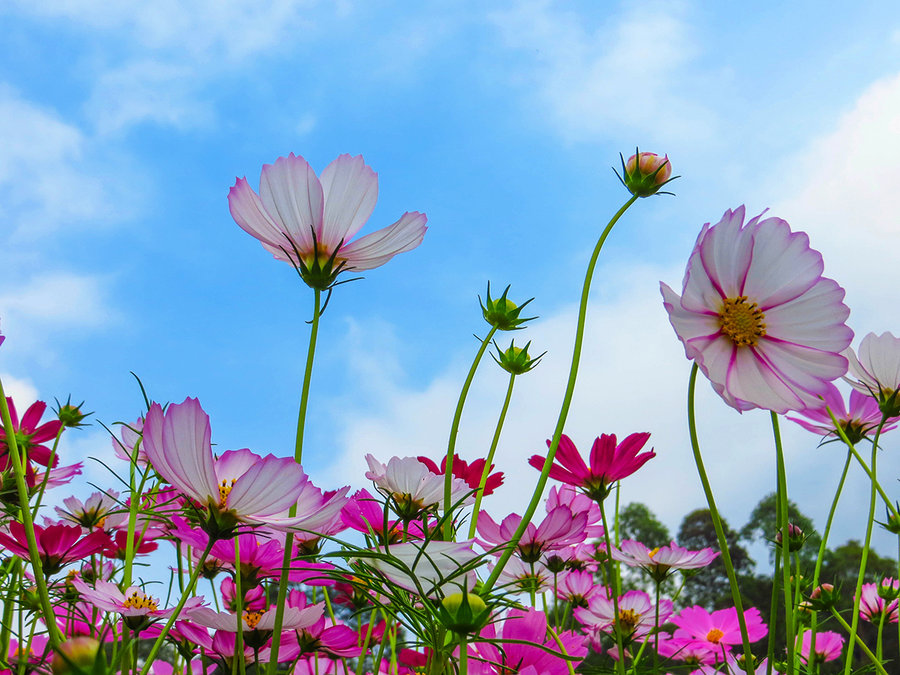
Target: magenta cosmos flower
239 486
29 433
872 605
828 646
857 420
609 462
758 317
637 614
719 630
309 222
58 544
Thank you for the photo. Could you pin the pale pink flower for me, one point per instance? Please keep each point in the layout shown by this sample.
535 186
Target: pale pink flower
610 461
828 646
133 602
663 560
559 528
758 317
578 587
877 370
294 618
238 486
637 614
94 511
129 439
309 222
528 650
525 577
857 422
411 485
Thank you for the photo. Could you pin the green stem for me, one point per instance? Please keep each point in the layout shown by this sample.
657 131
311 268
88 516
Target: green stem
717 523
463 655
862 645
490 456
298 456
54 636
613 577
454 431
192 582
823 546
239 604
864 555
43 488
879 643
566 402
785 545
773 617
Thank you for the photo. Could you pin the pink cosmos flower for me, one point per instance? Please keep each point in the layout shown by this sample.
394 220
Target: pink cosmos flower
578 587
93 511
663 560
254 598
566 495
609 462
528 628
239 486
637 614
872 605
520 576
137 608
30 434
309 222
129 439
58 544
857 422
560 528
877 370
828 646
758 317
258 626
719 630
324 636
411 485
364 513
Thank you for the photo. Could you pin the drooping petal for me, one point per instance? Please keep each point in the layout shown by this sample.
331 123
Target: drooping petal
249 213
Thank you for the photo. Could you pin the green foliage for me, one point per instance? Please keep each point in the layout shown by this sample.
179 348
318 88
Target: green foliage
763 526
638 523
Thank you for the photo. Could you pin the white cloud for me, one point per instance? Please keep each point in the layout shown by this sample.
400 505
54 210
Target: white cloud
21 390
48 177
64 299
626 76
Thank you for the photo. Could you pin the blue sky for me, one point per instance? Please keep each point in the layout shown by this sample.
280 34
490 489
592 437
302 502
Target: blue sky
122 128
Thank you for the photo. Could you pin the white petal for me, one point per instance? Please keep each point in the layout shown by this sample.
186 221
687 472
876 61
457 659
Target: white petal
351 190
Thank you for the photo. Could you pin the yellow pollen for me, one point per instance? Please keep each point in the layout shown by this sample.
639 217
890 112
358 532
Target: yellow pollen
224 490
629 619
138 600
653 552
715 635
252 618
742 321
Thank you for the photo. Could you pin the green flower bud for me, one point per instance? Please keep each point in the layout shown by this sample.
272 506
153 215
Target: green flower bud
645 173
78 656
515 360
70 415
824 597
503 313
463 613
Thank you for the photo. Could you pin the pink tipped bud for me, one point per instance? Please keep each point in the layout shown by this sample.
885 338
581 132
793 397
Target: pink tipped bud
75 656
795 538
646 172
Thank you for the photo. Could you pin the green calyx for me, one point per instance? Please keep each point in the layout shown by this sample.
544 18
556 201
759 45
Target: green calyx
515 360
503 313
71 415
463 613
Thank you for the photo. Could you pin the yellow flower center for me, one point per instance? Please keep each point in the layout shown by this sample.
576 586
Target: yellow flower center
742 321
628 619
225 490
252 618
138 600
715 635
653 552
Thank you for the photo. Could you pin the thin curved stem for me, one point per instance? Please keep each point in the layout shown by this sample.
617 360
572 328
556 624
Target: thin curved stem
785 546
566 402
717 524
613 582
862 645
490 456
454 432
298 456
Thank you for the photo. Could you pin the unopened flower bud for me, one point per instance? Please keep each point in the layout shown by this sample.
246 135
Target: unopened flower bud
70 415
74 656
515 360
645 173
889 589
503 313
463 613
823 597
893 522
795 538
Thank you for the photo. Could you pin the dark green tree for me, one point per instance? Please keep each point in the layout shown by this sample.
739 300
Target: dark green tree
637 522
763 526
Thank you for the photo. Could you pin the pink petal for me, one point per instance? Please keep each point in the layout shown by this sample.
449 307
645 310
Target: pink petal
350 189
377 248
292 195
783 267
268 487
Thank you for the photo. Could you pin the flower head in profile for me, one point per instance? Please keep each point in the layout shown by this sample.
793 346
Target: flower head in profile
411 486
758 317
872 605
857 420
239 486
309 221
876 370
610 461
828 646
660 562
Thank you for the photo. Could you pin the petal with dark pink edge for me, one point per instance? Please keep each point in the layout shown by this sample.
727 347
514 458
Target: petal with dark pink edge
809 370
724 254
249 213
292 194
690 325
267 488
815 319
351 190
753 381
178 446
377 248
784 266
